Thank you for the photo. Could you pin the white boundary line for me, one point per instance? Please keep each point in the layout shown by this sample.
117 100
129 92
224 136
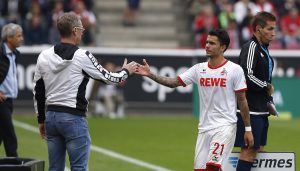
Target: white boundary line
100 150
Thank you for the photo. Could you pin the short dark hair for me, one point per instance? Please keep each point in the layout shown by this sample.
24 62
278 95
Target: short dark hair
222 36
66 22
261 19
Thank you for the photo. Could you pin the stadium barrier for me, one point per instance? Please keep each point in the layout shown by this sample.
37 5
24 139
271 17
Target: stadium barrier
141 92
21 164
266 161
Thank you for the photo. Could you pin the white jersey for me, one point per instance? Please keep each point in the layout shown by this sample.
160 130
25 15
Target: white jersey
216 87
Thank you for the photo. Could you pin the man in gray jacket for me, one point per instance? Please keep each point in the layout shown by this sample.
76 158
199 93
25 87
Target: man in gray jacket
61 75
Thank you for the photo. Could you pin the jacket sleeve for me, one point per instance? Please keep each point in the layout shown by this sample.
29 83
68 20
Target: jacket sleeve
39 97
95 70
248 59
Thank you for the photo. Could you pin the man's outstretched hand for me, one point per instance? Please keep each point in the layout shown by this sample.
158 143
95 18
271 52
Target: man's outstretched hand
131 67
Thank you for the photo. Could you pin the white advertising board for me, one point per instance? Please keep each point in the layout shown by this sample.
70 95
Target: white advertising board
266 161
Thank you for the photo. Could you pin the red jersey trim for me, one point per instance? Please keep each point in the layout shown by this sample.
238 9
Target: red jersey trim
199 169
181 82
241 90
211 67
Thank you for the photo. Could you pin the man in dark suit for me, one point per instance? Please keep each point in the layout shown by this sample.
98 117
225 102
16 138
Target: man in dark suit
12 37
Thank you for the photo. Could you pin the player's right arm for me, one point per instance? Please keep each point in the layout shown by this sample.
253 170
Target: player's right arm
39 98
144 70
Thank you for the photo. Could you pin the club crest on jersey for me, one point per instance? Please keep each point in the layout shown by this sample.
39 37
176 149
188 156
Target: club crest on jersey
215 159
224 72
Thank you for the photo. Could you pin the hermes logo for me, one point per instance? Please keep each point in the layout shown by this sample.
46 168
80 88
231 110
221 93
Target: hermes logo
213 82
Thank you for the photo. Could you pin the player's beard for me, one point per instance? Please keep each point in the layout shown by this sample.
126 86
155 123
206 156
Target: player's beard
209 56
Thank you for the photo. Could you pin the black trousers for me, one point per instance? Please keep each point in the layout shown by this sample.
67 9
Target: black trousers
7 132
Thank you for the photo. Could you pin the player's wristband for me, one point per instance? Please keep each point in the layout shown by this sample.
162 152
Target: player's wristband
248 128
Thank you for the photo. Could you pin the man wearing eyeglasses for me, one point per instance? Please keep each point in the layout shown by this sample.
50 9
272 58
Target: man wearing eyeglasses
61 75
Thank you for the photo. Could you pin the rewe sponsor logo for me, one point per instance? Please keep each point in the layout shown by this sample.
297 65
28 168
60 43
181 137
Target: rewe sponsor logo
213 82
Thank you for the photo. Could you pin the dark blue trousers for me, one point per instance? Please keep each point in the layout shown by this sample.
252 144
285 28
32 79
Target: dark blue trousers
7 132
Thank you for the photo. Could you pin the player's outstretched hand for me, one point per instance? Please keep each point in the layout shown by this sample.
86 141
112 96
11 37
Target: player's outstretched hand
143 70
131 67
248 139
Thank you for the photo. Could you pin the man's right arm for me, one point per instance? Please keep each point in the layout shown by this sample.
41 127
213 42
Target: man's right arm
95 70
39 94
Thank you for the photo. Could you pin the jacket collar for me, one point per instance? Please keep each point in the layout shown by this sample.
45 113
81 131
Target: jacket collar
3 50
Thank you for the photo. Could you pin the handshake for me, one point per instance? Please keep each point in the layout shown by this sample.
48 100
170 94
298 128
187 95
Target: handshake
136 68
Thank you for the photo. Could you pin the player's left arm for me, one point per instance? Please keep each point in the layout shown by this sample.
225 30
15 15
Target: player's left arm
243 105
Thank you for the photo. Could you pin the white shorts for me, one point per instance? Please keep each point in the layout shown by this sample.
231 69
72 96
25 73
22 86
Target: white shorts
214 146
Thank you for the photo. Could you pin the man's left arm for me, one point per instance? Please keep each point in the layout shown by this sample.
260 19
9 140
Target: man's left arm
244 110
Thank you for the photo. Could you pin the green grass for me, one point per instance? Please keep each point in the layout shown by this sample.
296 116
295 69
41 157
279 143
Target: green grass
166 141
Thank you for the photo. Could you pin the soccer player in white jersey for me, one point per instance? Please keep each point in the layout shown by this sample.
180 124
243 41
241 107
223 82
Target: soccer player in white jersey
221 85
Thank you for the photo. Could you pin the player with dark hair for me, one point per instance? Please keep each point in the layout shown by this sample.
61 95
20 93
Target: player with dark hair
61 75
258 66
221 85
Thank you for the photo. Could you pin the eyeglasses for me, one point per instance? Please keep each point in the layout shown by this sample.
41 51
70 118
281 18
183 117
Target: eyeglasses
80 28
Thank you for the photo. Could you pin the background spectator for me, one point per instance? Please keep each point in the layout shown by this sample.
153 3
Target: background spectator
290 25
88 20
129 17
243 8
264 5
35 28
226 14
38 18
58 10
203 23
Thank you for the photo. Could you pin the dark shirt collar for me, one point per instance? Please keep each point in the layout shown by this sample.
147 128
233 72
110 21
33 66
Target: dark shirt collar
255 40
